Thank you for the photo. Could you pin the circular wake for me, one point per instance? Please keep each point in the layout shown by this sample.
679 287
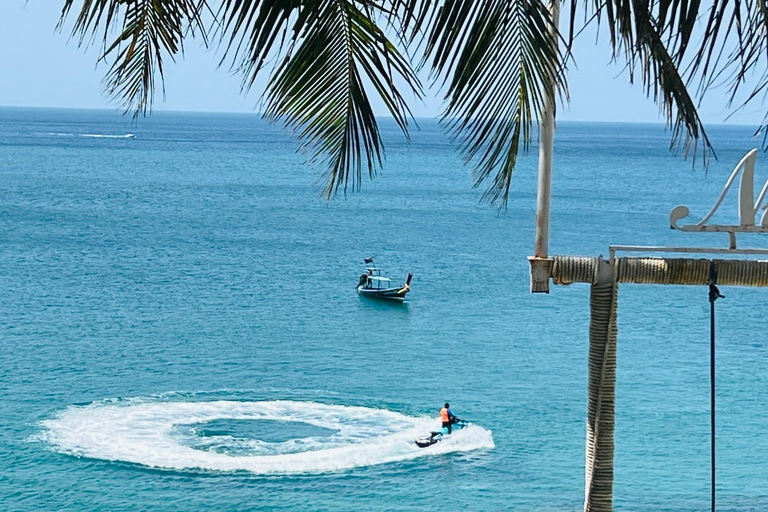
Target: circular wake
165 435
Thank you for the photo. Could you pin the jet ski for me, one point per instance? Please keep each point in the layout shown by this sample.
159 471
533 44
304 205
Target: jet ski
436 437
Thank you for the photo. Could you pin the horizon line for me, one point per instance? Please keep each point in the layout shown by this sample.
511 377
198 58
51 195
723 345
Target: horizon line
259 115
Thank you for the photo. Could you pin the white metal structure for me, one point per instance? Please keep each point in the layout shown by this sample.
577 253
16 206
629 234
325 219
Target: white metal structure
748 206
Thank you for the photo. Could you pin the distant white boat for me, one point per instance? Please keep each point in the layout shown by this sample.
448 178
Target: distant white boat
89 135
103 136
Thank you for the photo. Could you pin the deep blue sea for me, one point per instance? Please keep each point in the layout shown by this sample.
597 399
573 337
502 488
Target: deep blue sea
179 326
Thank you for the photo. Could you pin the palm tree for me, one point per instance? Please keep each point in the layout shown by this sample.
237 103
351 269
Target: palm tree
502 64
326 59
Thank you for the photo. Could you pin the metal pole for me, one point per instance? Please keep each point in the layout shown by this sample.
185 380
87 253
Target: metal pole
712 388
714 294
546 143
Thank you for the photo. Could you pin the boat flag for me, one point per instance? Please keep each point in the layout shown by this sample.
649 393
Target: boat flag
369 260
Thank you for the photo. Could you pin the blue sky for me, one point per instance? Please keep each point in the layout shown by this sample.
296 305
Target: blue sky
45 69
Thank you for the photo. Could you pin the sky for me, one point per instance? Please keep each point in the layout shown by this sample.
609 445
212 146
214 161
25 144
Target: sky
42 68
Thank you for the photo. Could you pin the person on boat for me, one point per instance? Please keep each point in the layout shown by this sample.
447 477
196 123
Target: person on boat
364 279
447 417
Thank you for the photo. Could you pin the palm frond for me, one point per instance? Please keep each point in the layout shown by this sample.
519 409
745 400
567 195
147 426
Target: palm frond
92 14
678 19
149 30
499 63
257 30
654 38
733 52
319 90
662 79
409 18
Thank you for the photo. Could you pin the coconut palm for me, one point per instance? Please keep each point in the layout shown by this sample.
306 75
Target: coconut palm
496 61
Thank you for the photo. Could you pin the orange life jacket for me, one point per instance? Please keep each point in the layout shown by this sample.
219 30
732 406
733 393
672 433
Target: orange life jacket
444 415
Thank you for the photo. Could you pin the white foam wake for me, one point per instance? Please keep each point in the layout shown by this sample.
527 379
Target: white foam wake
145 433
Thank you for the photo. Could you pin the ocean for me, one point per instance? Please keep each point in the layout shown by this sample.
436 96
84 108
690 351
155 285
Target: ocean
180 328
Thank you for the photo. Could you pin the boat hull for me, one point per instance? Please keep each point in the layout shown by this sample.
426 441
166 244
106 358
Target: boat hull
393 294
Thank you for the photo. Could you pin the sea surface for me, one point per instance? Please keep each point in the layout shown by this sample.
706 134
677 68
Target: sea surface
179 326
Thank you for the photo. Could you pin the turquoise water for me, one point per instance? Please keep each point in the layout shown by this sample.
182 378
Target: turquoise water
180 329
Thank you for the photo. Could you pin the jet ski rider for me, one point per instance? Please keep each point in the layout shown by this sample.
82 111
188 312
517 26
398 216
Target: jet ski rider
447 417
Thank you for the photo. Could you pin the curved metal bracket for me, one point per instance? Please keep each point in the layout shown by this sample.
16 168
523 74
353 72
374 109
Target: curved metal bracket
748 206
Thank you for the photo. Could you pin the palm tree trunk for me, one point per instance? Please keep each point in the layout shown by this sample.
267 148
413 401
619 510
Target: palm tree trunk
546 145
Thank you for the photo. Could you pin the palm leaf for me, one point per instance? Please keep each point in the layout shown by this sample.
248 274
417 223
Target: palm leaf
319 89
409 18
498 62
654 39
256 30
149 30
733 52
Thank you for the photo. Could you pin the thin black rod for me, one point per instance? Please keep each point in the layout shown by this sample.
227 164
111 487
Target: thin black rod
712 392
714 294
